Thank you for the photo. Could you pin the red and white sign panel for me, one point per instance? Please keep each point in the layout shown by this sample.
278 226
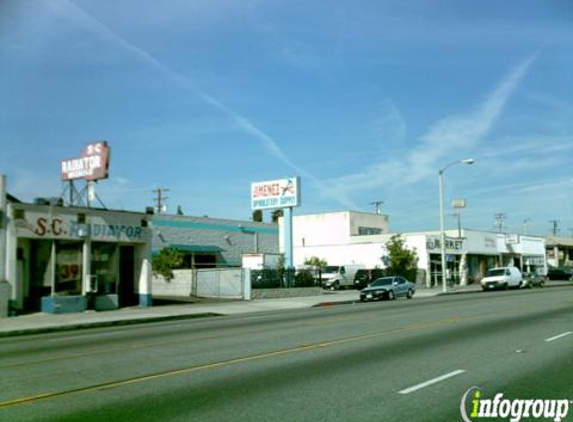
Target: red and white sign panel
275 194
92 165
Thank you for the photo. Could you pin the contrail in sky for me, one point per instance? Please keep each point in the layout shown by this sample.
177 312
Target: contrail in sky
461 133
89 22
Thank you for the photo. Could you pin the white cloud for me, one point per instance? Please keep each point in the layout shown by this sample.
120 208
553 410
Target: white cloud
449 139
509 147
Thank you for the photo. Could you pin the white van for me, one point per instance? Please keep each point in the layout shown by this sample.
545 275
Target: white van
339 276
501 278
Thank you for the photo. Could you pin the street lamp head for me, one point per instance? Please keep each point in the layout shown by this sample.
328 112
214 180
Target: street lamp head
467 161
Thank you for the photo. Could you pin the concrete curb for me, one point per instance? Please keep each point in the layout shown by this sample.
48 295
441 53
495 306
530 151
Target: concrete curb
162 318
342 302
103 324
556 283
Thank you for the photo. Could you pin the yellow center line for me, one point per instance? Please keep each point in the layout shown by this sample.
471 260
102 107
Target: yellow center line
323 322
260 356
225 363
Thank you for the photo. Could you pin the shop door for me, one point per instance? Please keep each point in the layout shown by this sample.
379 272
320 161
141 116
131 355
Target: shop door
40 281
127 296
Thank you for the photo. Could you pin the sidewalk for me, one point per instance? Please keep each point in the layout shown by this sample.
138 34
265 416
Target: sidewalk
43 323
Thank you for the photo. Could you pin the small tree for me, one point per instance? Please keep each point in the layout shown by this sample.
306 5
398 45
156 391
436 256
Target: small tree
258 216
316 262
276 214
167 260
402 261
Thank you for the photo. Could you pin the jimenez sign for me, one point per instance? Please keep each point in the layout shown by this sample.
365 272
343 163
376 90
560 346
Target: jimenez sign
282 193
92 165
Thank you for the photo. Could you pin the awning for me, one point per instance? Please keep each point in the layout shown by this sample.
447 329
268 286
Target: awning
197 248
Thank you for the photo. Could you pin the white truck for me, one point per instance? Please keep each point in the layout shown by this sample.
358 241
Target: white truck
502 278
336 277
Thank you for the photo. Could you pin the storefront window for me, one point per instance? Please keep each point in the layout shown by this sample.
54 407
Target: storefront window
104 268
68 268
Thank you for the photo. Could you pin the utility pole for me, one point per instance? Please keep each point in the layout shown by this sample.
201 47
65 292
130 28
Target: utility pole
378 205
160 200
500 221
555 225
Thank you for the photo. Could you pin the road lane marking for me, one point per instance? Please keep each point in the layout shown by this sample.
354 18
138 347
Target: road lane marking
226 363
557 337
264 355
431 382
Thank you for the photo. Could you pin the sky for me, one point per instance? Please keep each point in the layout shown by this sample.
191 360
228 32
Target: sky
365 100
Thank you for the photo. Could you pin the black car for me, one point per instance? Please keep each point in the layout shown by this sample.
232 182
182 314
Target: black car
561 273
364 277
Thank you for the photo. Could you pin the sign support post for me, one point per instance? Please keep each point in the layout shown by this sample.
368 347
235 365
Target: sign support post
288 247
280 194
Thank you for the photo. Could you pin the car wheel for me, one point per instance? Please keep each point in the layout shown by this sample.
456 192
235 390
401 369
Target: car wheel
336 286
409 294
506 286
391 295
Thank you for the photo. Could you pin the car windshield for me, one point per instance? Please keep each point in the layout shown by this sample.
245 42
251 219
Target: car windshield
496 272
382 282
330 269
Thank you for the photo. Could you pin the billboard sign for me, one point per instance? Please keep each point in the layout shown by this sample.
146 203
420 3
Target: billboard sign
93 164
272 194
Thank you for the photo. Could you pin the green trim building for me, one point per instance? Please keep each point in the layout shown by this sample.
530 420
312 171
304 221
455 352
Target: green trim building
212 242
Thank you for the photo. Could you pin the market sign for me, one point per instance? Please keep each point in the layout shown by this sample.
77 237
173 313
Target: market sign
281 193
93 164
453 244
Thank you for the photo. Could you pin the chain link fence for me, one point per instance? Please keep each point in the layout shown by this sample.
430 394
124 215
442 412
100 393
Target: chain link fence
283 278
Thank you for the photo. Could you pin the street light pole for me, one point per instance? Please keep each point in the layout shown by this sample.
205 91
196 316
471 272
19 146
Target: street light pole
442 232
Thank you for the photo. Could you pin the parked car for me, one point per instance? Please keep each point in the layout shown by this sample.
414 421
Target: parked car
388 288
336 277
501 278
561 273
364 277
532 280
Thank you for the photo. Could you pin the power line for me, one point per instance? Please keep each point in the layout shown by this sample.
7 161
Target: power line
160 206
378 205
555 224
500 221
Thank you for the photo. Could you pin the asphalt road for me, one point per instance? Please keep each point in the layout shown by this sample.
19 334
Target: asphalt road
407 360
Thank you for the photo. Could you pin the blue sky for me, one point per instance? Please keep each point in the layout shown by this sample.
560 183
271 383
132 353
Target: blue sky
365 100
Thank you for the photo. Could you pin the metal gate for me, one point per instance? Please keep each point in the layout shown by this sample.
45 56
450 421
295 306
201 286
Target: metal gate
225 283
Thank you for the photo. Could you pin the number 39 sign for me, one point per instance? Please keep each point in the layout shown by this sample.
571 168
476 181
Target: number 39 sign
70 272
69 265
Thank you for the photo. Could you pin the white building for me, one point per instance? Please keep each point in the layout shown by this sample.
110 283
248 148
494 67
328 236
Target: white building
360 238
329 235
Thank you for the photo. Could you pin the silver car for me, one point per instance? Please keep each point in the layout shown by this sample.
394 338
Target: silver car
388 288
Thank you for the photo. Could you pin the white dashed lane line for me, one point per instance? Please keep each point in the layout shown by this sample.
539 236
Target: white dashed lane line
557 337
431 382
